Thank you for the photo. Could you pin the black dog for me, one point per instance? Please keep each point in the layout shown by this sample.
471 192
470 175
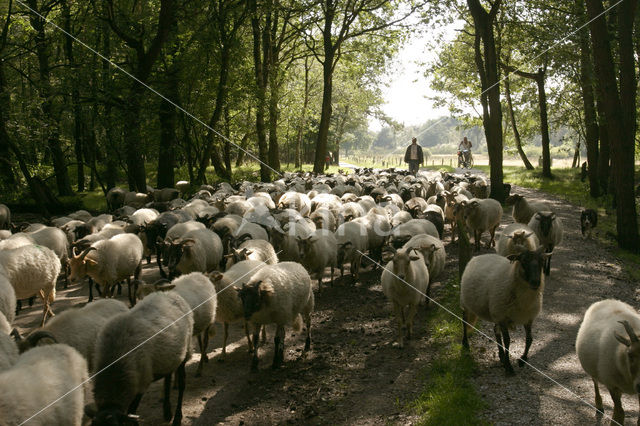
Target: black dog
588 221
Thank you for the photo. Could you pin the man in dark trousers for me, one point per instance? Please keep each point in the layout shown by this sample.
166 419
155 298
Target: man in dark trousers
413 156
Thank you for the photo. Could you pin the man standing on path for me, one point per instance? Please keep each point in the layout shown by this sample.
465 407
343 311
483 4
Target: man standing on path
413 156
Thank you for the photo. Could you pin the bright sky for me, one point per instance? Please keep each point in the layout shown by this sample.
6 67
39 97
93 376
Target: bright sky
406 95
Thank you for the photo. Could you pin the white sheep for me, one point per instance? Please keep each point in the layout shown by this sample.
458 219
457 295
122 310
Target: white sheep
506 292
76 327
378 230
296 201
46 386
133 349
405 280
524 210
318 251
548 229
32 270
279 294
482 215
352 239
286 241
4 234
136 199
609 351
515 238
200 294
403 232
8 349
432 250
199 250
5 217
7 299
324 219
227 287
115 198
108 262
252 250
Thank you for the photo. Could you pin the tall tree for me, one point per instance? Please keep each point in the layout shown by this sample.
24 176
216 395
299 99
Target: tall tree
512 117
619 102
487 63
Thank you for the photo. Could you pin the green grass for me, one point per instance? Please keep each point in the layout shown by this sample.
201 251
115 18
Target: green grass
449 397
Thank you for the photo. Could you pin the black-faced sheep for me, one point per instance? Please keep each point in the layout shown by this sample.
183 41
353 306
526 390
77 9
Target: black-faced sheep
548 229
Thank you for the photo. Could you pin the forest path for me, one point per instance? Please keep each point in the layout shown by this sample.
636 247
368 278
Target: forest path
354 374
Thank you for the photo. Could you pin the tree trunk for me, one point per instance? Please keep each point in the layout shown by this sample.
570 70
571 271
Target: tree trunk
620 112
486 61
8 179
303 117
274 153
136 173
544 124
516 133
50 114
590 116
166 148
603 135
325 117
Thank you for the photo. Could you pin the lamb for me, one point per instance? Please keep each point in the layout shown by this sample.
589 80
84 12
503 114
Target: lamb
352 240
32 270
108 262
548 229
278 294
432 251
506 292
5 217
405 281
159 328
44 387
403 233
608 349
252 250
516 238
524 210
318 251
199 250
200 294
482 215
77 327
229 303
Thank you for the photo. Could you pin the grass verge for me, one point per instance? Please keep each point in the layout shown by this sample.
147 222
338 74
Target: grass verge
449 396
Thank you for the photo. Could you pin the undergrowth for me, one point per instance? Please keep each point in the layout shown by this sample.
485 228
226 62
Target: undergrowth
449 396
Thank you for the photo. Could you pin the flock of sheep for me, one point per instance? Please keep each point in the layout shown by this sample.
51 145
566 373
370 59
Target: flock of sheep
247 253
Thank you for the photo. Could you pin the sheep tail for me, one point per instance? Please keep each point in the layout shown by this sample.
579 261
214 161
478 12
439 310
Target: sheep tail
297 323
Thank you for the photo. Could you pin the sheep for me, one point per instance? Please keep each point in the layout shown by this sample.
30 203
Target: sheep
140 218
252 250
165 194
378 230
4 234
352 240
318 251
548 229
286 241
56 240
5 217
200 294
506 292
482 215
435 215
108 262
77 327
16 240
156 231
32 270
7 299
296 201
109 231
227 225
516 238
400 218
199 250
278 294
432 251
403 233
405 280
8 349
324 219
82 215
608 349
229 303
115 198
350 211
184 186
256 231
136 199
46 386
524 210
133 349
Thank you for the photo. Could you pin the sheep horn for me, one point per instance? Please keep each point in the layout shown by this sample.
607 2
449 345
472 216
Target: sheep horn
32 340
86 252
630 332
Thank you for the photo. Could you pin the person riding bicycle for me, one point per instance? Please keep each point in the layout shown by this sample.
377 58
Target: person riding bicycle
464 151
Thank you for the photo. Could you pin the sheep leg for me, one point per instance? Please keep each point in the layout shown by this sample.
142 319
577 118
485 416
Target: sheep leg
263 338
409 320
18 306
400 317
476 239
618 411
465 339
307 321
131 301
159 261
136 274
206 342
246 332
90 290
547 266
599 398
119 289
507 341
332 275
181 377
200 364
256 337
133 407
32 299
166 403
528 340
278 341
492 243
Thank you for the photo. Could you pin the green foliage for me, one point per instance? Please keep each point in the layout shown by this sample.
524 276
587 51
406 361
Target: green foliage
449 396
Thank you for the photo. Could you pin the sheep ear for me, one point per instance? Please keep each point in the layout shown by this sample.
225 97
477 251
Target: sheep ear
188 243
90 262
215 276
513 257
414 258
622 339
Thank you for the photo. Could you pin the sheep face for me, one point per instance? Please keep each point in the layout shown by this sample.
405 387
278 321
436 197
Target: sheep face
513 199
175 251
546 221
531 263
470 209
343 248
237 256
79 264
402 261
254 296
632 352
111 417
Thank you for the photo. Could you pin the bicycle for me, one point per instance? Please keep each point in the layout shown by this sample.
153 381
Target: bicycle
465 159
